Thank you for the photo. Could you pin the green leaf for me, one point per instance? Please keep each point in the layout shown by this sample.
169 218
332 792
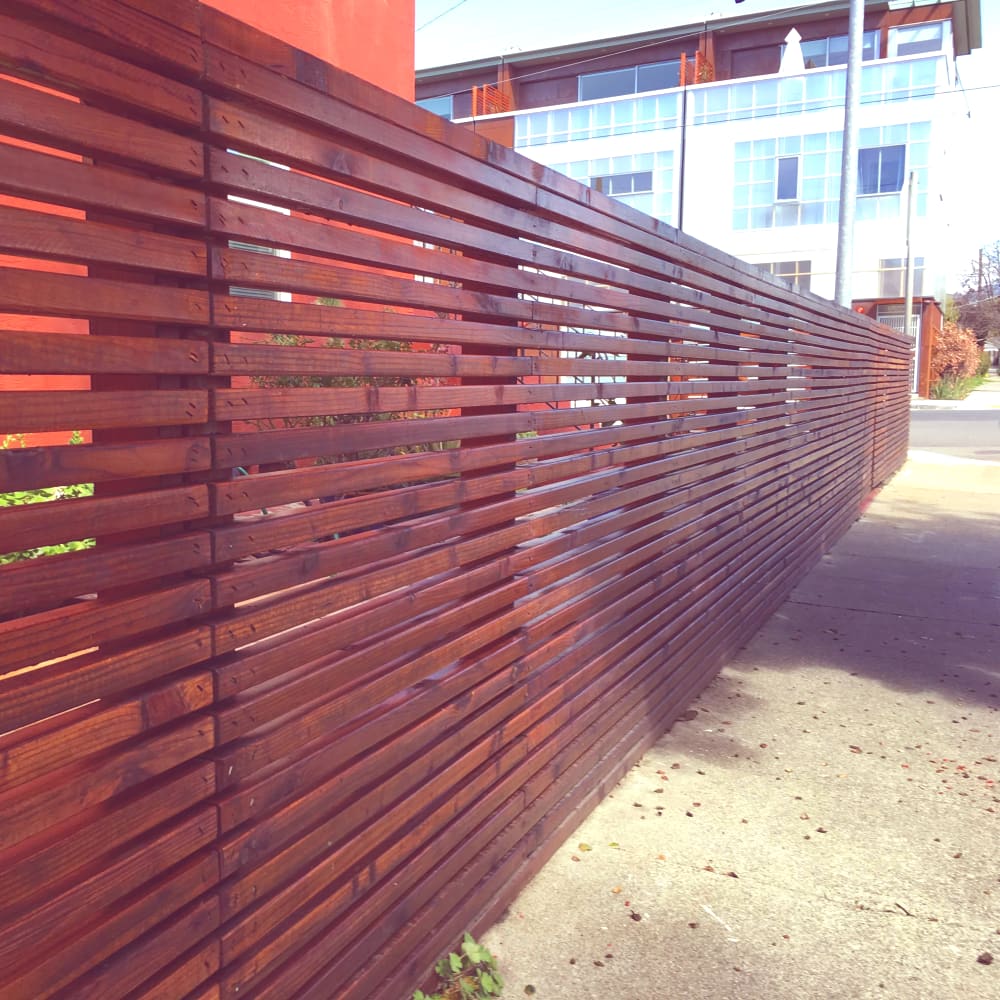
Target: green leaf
487 982
455 962
584 847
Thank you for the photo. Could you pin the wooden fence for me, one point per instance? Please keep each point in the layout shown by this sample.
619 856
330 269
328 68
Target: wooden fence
420 489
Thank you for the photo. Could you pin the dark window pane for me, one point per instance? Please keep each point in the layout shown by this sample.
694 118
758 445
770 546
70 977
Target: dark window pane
659 76
880 170
891 173
788 178
594 86
868 171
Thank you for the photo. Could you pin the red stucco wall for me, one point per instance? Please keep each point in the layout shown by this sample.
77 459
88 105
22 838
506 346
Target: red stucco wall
372 39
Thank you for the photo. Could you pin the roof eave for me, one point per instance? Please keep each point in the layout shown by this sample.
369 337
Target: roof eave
597 45
967 26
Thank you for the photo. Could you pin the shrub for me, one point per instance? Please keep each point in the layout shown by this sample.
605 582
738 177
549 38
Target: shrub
469 975
956 354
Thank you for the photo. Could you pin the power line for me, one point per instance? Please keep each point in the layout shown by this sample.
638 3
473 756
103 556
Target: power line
437 17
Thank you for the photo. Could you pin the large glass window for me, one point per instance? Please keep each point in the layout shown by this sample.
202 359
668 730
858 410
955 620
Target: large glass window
632 80
832 51
438 105
797 272
881 170
594 86
912 39
892 277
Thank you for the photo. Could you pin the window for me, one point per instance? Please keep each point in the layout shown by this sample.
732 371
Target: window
797 272
618 184
892 277
633 80
788 178
912 39
892 315
832 51
438 105
259 293
881 170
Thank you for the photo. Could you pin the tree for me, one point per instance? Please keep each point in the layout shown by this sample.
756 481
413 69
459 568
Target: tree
978 304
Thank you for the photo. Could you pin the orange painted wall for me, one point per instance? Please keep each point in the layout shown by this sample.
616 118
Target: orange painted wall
372 39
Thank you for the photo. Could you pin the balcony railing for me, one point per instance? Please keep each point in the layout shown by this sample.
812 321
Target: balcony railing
732 100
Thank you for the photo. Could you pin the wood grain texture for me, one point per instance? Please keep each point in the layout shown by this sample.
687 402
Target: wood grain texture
428 487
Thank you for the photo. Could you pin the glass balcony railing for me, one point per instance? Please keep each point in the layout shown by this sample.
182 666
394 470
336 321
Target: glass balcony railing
732 100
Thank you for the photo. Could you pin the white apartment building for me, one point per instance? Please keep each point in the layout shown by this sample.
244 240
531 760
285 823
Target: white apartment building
750 161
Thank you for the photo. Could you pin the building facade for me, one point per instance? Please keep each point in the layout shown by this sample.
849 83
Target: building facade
732 130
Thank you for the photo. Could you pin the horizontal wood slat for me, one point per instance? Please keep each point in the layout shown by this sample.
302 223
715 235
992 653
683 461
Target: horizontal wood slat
40 117
416 489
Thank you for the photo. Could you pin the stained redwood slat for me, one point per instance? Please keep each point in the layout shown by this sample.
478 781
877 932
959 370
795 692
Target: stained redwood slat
45 235
31 174
70 409
33 51
45 353
359 625
40 117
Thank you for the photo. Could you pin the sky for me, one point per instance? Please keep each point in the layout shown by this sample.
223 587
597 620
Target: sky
450 31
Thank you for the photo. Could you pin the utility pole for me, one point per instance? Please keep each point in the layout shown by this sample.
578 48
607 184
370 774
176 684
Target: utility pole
849 159
908 300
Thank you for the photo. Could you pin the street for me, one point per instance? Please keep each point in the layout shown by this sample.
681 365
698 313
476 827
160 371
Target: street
962 433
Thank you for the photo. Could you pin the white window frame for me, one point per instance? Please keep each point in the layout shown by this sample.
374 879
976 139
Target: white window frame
600 183
899 35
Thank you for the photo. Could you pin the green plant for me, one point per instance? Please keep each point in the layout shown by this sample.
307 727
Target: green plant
955 386
468 975
17 498
303 381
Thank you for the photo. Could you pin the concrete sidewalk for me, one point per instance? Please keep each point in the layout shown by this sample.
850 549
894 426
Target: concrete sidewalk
827 823
985 397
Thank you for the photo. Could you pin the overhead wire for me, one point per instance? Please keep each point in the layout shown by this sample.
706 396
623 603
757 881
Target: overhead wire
437 17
